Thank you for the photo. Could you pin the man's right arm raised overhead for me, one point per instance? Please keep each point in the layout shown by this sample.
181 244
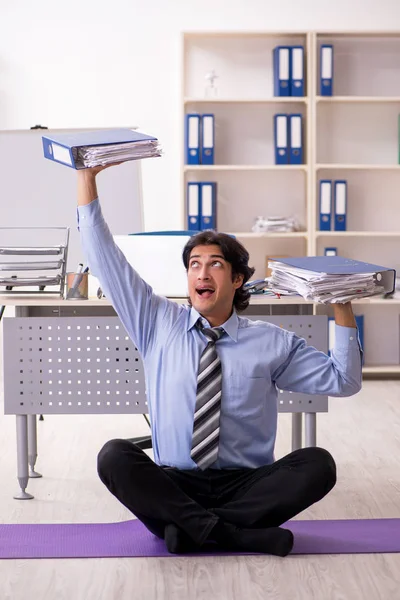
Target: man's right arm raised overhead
140 310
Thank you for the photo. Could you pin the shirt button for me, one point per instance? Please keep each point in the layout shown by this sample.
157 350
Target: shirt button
351 338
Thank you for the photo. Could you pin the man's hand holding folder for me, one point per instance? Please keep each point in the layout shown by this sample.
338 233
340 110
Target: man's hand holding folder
87 188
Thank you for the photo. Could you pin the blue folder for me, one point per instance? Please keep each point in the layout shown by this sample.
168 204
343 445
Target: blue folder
330 251
208 205
296 139
337 265
340 203
281 139
360 326
297 71
193 206
59 147
207 139
326 70
325 204
281 59
192 138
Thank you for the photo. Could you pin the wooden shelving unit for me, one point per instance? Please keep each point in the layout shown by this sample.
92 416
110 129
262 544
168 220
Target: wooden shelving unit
352 135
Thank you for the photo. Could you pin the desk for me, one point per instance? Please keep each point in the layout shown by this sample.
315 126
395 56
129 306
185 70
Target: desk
72 357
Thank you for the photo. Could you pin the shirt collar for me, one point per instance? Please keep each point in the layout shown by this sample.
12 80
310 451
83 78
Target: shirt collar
230 326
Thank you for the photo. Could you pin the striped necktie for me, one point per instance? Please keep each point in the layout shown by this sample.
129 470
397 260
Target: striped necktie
205 439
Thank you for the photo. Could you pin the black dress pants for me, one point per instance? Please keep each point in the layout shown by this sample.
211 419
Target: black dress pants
195 500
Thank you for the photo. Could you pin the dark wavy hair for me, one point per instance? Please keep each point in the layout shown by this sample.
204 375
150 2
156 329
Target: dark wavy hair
234 253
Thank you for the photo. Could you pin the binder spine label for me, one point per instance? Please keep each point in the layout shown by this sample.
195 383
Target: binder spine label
61 154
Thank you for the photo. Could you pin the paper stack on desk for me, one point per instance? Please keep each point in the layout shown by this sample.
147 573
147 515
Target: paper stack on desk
86 149
329 279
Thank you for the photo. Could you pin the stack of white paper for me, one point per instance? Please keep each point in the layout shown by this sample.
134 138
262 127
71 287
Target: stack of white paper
105 154
271 224
322 287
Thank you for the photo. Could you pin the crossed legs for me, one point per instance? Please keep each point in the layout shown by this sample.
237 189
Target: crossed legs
241 509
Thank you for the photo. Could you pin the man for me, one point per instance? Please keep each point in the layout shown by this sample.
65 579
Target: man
211 380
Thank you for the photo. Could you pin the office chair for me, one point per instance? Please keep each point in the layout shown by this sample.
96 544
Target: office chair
144 441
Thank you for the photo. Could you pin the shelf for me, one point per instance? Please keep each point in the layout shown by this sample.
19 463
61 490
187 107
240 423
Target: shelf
371 167
382 370
357 234
261 299
352 135
355 99
272 100
270 234
379 300
187 168
357 34
244 34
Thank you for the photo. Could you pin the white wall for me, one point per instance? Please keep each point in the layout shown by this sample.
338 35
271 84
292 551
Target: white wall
96 63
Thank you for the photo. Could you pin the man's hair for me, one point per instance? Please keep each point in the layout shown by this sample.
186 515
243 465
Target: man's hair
233 252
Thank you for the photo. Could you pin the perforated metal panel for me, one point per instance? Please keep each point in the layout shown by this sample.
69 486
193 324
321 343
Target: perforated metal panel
71 365
314 329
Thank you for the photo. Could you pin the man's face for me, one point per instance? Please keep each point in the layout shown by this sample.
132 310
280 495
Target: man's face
211 289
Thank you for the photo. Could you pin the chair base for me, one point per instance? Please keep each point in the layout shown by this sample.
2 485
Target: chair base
144 442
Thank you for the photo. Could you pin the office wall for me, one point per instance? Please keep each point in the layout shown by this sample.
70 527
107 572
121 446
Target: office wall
95 63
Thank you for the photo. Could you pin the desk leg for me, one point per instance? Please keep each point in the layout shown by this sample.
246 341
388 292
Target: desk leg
296 430
32 446
22 457
311 429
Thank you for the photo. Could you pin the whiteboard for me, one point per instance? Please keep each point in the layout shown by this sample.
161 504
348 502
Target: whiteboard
36 192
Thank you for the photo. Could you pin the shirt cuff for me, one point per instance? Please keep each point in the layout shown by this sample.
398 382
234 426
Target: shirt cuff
346 337
89 215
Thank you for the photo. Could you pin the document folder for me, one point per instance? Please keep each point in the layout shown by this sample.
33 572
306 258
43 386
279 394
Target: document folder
297 71
193 206
331 335
281 135
331 251
326 70
296 139
208 205
337 265
340 205
207 144
325 204
281 56
192 139
360 326
113 145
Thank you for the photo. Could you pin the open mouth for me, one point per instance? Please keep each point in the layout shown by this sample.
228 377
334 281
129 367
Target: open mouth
205 292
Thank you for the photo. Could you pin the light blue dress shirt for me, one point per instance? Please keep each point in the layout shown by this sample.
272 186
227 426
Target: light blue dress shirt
256 357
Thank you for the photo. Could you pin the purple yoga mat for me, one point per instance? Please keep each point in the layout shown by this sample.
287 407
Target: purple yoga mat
131 538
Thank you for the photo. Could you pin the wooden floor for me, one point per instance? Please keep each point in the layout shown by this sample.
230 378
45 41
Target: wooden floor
362 432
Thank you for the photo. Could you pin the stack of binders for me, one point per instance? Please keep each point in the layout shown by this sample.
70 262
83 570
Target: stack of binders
288 71
201 205
288 139
199 139
332 203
